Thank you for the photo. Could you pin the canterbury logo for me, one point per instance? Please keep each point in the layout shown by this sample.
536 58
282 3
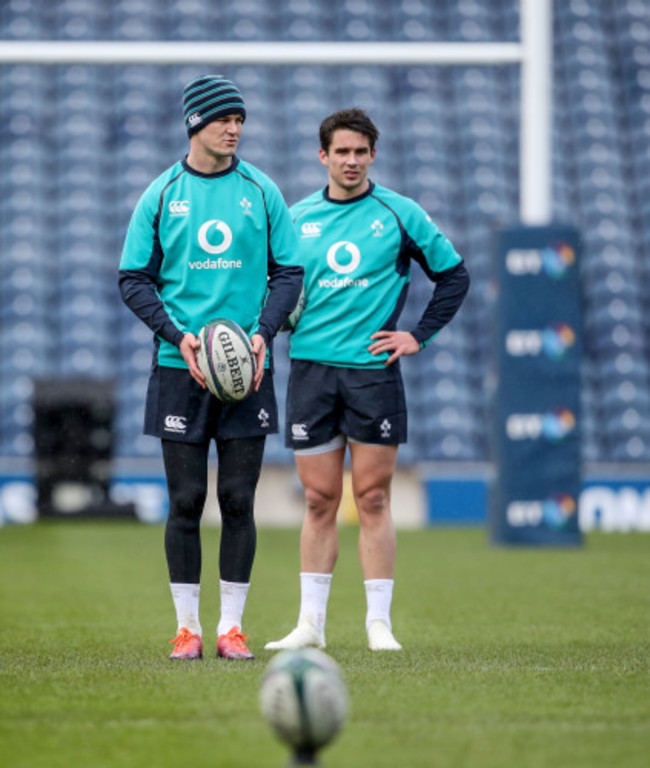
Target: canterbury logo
175 424
179 207
195 118
299 432
311 229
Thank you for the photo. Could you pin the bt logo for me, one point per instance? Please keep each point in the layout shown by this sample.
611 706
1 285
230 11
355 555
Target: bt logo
554 261
553 425
554 341
556 512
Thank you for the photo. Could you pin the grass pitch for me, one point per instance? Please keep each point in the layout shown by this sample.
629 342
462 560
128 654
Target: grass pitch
512 657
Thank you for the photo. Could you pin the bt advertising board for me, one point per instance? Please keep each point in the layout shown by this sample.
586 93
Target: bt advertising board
606 503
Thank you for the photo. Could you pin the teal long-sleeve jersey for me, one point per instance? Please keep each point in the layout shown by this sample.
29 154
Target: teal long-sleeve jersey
357 256
204 246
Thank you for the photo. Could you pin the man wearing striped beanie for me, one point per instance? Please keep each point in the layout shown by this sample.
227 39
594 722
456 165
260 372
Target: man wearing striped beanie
208 98
210 237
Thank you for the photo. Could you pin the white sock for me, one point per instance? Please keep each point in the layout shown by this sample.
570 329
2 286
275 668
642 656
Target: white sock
379 595
233 600
186 603
314 594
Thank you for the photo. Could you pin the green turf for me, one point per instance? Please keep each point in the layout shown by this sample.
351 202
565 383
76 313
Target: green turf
514 658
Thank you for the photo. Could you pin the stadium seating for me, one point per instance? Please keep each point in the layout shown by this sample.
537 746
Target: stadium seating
79 144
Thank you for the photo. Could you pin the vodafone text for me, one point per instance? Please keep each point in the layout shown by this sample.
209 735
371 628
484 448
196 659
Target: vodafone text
343 282
216 264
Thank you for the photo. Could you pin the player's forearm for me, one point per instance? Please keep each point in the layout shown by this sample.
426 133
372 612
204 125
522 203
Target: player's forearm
285 284
450 291
140 296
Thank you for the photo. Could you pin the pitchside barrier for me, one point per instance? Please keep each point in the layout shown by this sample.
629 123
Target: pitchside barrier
612 499
536 414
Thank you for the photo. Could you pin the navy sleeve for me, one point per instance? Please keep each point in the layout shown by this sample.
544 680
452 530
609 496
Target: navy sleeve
138 290
450 290
285 283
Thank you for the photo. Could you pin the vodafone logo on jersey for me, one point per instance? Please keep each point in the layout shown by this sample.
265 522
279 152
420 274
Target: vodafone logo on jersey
343 258
215 244
215 238
351 258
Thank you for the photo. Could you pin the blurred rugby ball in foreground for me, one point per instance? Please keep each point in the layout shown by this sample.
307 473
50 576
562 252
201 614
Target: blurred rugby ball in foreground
226 359
291 321
304 698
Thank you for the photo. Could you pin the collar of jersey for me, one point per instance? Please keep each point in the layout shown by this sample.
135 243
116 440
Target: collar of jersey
369 191
194 172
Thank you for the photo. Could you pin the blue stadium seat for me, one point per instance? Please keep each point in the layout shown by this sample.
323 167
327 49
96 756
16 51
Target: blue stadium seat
304 20
449 447
360 20
415 21
470 21
26 285
590 449
79 20
139 20
129 440
622 365
505 20
619 298
249 21
629 448
23 21
276 453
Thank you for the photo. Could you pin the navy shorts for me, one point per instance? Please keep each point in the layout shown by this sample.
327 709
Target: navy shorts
179 409
364 404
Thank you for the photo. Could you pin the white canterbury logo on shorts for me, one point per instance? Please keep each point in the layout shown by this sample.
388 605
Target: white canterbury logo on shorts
299 432
175 424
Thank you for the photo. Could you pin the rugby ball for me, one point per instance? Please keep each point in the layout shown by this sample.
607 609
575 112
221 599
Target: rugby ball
304 698
225 357
291 321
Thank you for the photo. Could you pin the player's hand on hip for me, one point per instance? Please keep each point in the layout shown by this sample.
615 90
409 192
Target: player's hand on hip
259 350
398 343
188 347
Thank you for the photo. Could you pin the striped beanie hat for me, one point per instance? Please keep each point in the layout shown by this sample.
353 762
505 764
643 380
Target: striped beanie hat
208 97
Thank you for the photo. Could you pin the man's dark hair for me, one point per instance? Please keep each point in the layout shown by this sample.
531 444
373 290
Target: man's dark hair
353 119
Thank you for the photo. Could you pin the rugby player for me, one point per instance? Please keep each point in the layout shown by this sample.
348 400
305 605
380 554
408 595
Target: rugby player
210 237
358 241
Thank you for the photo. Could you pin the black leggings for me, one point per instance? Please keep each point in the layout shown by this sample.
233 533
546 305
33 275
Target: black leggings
186 467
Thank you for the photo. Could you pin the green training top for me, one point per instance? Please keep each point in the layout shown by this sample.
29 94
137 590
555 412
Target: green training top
357 257
204 246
